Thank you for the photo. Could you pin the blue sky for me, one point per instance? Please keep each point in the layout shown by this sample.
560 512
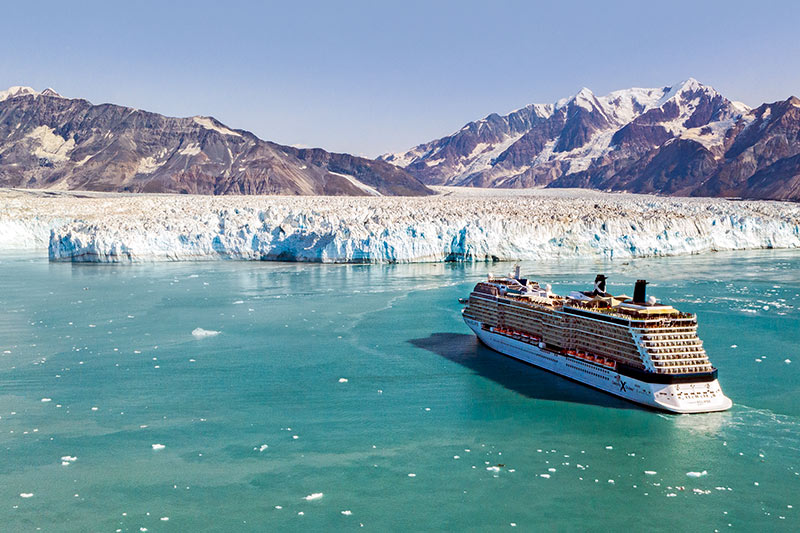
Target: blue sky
373 77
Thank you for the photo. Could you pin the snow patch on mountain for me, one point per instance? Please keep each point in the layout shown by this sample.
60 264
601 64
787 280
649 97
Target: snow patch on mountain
190 149
15 91
48 145
208 123
363 186
148 165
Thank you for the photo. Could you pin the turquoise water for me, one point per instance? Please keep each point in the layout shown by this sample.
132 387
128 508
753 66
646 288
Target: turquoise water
112 348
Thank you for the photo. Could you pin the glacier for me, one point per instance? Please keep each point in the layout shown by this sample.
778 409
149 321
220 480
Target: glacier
456 225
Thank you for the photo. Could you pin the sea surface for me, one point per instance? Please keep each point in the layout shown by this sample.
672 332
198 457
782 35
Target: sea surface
335 397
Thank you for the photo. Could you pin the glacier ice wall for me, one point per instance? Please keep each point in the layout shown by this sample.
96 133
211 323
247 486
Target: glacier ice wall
469 227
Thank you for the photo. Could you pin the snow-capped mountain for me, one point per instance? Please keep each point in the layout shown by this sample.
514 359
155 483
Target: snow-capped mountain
48 141
686 139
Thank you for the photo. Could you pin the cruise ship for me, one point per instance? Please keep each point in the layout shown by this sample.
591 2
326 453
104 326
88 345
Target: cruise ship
632 347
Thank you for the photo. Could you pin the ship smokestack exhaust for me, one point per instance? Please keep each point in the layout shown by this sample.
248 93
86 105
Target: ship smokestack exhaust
600 284
640 292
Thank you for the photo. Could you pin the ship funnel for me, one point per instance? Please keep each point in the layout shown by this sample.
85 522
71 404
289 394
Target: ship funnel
600 284
639 291
516 271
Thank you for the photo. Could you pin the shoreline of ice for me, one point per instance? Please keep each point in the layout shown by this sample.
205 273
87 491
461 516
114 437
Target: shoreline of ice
452 226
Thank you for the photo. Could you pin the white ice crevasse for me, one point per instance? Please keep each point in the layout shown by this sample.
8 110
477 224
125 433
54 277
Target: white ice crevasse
541 225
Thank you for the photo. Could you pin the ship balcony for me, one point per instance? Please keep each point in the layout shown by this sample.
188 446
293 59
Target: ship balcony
679 357
669 333
664 325
676 352
682 361
666 343
689 369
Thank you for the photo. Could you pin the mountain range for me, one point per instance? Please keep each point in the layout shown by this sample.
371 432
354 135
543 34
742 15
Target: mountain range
48 141
686 140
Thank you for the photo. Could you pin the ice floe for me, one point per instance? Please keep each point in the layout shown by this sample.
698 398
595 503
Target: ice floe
158 446
697 474
201 333
313 496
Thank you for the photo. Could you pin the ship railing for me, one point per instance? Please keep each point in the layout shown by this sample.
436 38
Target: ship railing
669 346
685 357
681 362
666 351
671 342
665 337
684 369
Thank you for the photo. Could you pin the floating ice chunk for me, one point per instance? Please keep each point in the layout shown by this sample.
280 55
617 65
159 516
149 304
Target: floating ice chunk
546 476
414 475
295 437
787 361
67 459
201 333
25 494
650 472
158 446
165 519
342 380
697 474
262 447
758 360
456 457
347 513
551 469
313 496
94 408
45 400
609 447
238 302
493 468
734 346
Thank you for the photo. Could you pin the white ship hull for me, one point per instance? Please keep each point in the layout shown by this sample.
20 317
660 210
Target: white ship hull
673 397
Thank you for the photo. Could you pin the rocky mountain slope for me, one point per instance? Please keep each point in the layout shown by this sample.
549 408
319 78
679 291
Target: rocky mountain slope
47 141
686 140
